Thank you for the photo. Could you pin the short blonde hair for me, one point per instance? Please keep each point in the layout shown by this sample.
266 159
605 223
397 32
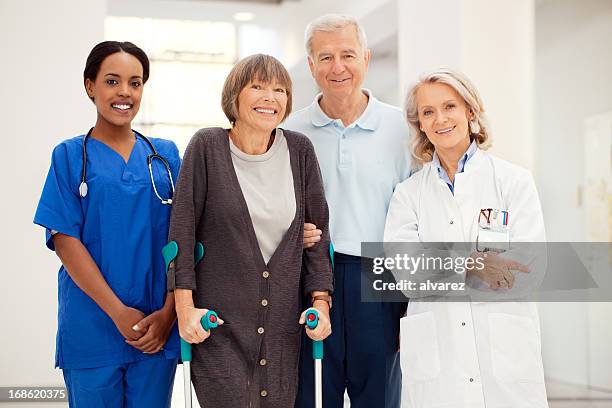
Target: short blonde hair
330 23
258 67
421 148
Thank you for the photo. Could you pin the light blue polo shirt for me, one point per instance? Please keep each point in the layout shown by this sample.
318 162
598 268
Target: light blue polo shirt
361 165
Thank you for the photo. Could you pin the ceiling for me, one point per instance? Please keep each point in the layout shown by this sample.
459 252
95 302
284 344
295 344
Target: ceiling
251 1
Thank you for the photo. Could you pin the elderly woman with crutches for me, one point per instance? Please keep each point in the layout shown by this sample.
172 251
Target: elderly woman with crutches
245 193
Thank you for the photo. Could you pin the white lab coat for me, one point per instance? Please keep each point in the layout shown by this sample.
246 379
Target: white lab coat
468 354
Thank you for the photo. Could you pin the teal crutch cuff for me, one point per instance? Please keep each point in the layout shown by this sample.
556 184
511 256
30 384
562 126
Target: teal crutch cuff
198 252
169 253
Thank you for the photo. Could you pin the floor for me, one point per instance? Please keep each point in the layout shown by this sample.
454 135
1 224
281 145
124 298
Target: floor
559 396
570 396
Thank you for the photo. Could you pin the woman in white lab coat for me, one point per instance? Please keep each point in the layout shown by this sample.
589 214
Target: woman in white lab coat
466 354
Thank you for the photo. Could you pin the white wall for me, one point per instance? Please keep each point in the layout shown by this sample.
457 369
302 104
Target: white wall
574 63
492 43
44 47
499 54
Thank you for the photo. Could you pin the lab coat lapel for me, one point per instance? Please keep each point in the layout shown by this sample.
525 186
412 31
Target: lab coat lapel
434 200
470 187
448 209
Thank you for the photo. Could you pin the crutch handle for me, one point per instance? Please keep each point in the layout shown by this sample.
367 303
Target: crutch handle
209 321
312 320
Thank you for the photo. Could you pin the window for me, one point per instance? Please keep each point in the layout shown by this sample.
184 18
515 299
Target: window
189 63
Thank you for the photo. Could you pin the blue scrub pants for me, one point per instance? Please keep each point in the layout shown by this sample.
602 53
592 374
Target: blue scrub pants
146 383
361 353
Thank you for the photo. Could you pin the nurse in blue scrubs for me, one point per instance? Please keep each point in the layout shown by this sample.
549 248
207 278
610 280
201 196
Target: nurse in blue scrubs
106 214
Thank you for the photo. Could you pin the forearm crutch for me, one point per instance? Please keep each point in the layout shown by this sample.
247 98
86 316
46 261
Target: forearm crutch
312 320
209 321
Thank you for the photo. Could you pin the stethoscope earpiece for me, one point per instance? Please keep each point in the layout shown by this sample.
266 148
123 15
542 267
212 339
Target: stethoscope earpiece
83 189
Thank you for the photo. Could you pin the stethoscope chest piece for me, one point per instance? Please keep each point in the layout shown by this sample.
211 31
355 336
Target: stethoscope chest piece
83 189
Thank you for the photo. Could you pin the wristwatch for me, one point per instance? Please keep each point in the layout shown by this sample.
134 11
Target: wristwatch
325 298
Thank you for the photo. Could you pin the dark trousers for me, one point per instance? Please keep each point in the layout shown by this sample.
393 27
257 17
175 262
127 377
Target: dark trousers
361 353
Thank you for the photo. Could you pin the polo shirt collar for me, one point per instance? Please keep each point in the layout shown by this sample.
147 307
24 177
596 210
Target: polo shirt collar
367 121
317 116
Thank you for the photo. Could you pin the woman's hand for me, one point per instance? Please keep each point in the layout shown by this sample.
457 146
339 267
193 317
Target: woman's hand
125 318
323 329
312 235
156 328
190 326
497 270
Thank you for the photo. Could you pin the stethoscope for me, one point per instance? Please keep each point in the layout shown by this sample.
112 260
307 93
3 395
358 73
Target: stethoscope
83 186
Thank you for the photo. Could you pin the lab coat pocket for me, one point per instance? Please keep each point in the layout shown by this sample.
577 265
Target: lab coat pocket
419 353
515 348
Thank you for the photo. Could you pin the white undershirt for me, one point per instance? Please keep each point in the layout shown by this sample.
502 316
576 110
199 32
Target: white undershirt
266 181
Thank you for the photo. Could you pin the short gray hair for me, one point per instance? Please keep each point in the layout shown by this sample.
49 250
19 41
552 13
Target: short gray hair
330 23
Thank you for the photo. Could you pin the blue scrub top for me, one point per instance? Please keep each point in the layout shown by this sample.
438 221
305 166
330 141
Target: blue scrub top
124 226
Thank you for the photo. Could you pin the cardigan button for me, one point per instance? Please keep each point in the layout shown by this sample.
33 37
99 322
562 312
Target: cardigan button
260 330
263 362
264 302
265 274
263 393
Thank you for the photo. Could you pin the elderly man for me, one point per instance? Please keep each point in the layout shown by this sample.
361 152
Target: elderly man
360 143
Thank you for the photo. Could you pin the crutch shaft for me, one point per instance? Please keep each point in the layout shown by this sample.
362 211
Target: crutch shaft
187 383
318 384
